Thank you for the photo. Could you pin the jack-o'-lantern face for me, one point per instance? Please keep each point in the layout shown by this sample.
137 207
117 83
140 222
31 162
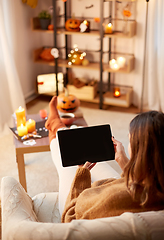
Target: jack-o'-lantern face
72 25
67 103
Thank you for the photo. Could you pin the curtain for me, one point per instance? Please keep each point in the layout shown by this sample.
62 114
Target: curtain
154 70
11 95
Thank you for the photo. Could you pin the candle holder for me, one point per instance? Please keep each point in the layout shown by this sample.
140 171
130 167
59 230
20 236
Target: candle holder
114 65
116 92
85 26
121 61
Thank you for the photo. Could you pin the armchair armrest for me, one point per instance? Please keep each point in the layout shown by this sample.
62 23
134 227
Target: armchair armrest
15 201
46 207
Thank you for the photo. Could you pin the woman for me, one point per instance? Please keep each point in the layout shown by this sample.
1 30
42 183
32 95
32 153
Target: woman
141 186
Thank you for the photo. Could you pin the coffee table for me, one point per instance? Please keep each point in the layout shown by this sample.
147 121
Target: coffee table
42 145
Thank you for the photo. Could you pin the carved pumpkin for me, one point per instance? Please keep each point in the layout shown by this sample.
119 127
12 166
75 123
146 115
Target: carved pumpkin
67 103
73 25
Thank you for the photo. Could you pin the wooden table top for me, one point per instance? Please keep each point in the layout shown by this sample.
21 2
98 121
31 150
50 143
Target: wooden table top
42 144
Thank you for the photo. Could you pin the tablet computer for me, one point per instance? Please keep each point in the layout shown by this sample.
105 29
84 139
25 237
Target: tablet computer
78 145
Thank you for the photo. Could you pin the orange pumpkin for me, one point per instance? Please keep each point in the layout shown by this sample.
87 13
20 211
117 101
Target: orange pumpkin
67 103
51 27
46 54
76 57
126 13
73 25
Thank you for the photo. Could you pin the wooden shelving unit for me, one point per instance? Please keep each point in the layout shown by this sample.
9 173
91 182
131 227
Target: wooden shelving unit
92 65
125 99
117 34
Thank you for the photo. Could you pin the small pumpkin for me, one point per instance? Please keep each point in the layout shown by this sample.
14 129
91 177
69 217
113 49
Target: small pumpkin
73 25
67 102
76 57
126 13
46 54
51 27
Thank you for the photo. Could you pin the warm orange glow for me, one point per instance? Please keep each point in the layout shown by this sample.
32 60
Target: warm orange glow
109 28
117 92
85 22
20 116
97 19
30 124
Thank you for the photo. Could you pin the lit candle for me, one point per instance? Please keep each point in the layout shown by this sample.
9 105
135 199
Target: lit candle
115 66
22 130
109 28
85 26
117 92
20 116
112 62
30 124
121 61
85 22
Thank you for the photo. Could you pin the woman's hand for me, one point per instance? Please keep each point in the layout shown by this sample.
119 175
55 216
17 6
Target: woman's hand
120 155
88 165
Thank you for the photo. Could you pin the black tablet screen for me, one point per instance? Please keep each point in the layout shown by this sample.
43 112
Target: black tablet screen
91 144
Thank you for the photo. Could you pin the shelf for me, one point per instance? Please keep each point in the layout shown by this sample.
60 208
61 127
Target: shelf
91 66
124 100
131 32
128 68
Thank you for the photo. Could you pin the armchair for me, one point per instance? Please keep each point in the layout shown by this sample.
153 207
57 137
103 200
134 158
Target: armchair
38 218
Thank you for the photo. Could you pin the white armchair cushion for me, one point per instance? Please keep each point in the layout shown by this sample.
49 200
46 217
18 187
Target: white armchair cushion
154 221
46 207
20 213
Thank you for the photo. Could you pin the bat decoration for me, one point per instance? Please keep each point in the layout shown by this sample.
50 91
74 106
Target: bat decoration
89 6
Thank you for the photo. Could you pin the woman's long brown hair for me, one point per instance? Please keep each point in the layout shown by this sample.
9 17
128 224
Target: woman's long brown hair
144 173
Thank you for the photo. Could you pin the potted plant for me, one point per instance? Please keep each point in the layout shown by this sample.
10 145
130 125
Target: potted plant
45 19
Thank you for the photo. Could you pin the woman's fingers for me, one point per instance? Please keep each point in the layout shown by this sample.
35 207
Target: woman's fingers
91 166
88 165
115 141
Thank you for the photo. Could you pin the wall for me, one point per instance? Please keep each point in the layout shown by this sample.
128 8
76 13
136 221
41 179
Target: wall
27 41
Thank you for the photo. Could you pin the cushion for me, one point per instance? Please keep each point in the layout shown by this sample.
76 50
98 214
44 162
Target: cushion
46 207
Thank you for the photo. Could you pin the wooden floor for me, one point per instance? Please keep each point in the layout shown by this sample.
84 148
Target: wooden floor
131 109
